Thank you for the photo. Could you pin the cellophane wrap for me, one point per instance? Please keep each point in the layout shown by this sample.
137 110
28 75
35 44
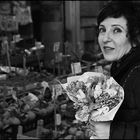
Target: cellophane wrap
96 96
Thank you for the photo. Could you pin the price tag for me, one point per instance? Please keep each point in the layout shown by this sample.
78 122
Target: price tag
58 91
58 119
56 46
16 38
76 68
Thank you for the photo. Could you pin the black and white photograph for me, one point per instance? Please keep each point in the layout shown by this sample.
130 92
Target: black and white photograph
69 69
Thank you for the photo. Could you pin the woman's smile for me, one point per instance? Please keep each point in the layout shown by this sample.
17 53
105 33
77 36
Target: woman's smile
108 49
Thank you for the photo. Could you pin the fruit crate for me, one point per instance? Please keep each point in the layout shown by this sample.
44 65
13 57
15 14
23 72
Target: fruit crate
28 129
32 134
11 131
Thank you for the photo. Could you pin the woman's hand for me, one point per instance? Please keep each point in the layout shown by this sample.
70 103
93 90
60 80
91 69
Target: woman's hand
99 130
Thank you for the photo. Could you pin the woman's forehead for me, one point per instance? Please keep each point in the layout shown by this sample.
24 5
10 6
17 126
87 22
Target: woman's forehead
110 21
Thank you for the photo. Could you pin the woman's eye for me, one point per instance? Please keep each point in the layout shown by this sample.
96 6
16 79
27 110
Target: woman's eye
117 30
101 30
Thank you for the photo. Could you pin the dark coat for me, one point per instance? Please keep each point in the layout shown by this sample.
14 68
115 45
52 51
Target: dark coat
126 124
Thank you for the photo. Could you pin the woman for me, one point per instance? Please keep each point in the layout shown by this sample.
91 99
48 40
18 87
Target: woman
119 40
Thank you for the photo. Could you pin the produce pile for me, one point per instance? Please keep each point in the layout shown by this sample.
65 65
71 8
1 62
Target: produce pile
68 128
24 100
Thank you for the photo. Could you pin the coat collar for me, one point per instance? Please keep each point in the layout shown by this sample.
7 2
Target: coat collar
120 68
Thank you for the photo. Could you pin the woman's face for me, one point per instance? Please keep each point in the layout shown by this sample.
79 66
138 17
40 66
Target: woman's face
113 39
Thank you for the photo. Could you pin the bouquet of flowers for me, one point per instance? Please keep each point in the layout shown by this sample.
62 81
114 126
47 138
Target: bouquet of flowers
96 96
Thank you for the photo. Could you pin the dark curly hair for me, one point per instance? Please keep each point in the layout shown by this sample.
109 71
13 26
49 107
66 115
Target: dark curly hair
129 11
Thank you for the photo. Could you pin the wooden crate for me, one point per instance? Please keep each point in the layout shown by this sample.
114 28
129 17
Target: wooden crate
33 134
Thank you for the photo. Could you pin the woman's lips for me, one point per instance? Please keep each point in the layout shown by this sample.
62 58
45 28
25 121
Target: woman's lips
107 49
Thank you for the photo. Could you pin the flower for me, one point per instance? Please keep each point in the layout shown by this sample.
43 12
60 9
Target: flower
98 90
95 96
111 92
83 114
81 96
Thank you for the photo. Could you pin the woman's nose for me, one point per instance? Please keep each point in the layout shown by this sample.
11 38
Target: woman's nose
107 37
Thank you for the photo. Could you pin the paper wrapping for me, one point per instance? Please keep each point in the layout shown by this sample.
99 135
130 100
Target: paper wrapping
103 114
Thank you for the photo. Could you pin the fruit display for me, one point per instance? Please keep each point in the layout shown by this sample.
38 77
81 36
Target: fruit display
23 100
67 128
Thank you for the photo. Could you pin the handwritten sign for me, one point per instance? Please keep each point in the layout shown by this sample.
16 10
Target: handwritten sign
58 91
76 68
56 46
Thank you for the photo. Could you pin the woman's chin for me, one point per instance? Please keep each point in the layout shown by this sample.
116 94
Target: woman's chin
111 59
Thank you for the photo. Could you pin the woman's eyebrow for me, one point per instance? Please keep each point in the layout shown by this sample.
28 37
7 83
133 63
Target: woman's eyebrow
101 25
118 25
